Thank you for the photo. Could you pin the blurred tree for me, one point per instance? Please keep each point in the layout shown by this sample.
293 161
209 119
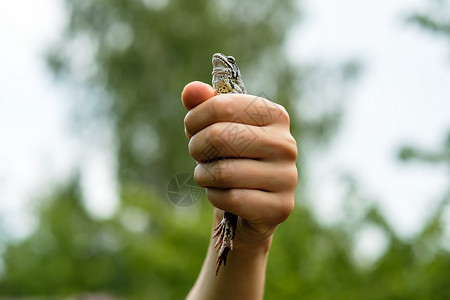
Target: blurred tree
140 253
436 17
149 250
136 56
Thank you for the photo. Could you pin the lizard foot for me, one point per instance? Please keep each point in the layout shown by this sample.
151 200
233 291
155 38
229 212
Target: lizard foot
224 232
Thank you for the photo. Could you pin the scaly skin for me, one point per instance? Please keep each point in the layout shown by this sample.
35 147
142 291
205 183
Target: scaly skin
226 79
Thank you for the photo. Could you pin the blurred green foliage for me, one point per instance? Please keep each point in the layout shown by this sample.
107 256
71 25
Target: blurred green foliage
435 17
140 54
143 252
133 58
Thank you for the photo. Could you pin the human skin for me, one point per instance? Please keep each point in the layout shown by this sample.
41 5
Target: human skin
257 182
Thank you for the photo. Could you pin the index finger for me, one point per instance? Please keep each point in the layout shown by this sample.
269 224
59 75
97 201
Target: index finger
236 108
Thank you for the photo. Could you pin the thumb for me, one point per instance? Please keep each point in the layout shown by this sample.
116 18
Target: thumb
196 92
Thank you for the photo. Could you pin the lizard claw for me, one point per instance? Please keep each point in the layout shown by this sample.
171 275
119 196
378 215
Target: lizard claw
224 232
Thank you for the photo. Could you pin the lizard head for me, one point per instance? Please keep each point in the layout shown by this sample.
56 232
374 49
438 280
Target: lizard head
225 63
226 75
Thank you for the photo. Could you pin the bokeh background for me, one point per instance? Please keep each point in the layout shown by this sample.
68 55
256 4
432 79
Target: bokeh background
91 133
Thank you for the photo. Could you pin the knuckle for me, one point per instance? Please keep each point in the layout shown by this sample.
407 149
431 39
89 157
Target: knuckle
204 175
286 208
292 177
213 174
284 115
192 148
187 133
290 151
285 147
287 179
187 125
280 115
198 175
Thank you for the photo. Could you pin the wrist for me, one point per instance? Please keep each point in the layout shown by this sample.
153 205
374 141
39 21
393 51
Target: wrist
247 238
253 247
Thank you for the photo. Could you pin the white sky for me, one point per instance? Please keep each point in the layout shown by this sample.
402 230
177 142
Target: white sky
37 148
403 96
34 146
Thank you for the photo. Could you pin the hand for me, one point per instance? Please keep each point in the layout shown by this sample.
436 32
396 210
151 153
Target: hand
246 159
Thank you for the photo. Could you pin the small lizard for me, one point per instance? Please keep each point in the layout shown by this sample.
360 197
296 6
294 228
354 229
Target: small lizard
226 79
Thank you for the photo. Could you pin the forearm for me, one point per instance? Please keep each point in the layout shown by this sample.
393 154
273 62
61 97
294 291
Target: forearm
242 278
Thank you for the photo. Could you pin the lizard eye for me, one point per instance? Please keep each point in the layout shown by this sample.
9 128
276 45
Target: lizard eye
231 59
